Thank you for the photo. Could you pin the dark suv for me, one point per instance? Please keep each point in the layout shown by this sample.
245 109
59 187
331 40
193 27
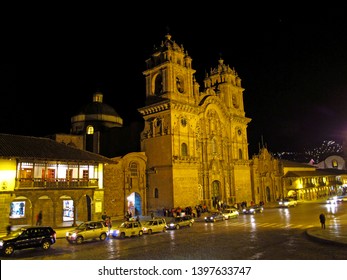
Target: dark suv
28 237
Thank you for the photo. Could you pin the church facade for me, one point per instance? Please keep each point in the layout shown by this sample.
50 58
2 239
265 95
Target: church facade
195 141
192 147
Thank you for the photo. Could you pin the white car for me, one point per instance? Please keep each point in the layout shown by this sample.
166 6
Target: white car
127 229
155 225
87 230
230 213
287 202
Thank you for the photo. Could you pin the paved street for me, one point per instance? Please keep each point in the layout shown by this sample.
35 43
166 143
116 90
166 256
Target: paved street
276 233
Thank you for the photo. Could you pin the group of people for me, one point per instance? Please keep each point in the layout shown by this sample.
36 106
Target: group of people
176 212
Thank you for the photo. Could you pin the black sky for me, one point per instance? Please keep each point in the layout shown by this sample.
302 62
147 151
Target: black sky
293 67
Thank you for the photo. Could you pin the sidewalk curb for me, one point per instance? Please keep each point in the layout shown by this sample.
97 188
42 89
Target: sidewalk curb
323 240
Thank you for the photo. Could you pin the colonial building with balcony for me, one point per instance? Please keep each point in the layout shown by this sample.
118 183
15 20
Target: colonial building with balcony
36 174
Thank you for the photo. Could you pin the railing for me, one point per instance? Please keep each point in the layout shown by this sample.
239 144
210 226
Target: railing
55 183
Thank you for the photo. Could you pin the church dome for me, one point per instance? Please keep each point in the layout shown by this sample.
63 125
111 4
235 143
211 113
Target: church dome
98 108
96 114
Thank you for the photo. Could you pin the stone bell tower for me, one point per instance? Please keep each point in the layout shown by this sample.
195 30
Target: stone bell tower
169 74
169 139
195 142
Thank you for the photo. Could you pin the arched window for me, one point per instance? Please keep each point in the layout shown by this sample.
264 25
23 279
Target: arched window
90 129
156 193
184 149
158 87
133 169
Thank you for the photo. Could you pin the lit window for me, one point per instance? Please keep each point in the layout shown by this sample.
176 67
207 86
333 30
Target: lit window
68 209
85 175
17 209
50 174
90 129
334 163
26 173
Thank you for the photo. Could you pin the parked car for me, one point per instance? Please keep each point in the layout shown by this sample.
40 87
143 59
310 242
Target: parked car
178 222
287 202
214 217
127 229
230 213
154 225
189 218
28 237
253 209
86 231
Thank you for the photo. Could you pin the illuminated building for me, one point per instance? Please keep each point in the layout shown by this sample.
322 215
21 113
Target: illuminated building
41 174
195 140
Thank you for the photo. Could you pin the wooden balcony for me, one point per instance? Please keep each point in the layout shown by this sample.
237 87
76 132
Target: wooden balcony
55 183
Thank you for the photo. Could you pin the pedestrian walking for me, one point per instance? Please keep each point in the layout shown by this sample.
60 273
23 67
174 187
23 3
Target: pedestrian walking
39 218
322 220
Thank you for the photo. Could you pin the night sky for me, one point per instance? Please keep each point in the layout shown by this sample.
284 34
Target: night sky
293 67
